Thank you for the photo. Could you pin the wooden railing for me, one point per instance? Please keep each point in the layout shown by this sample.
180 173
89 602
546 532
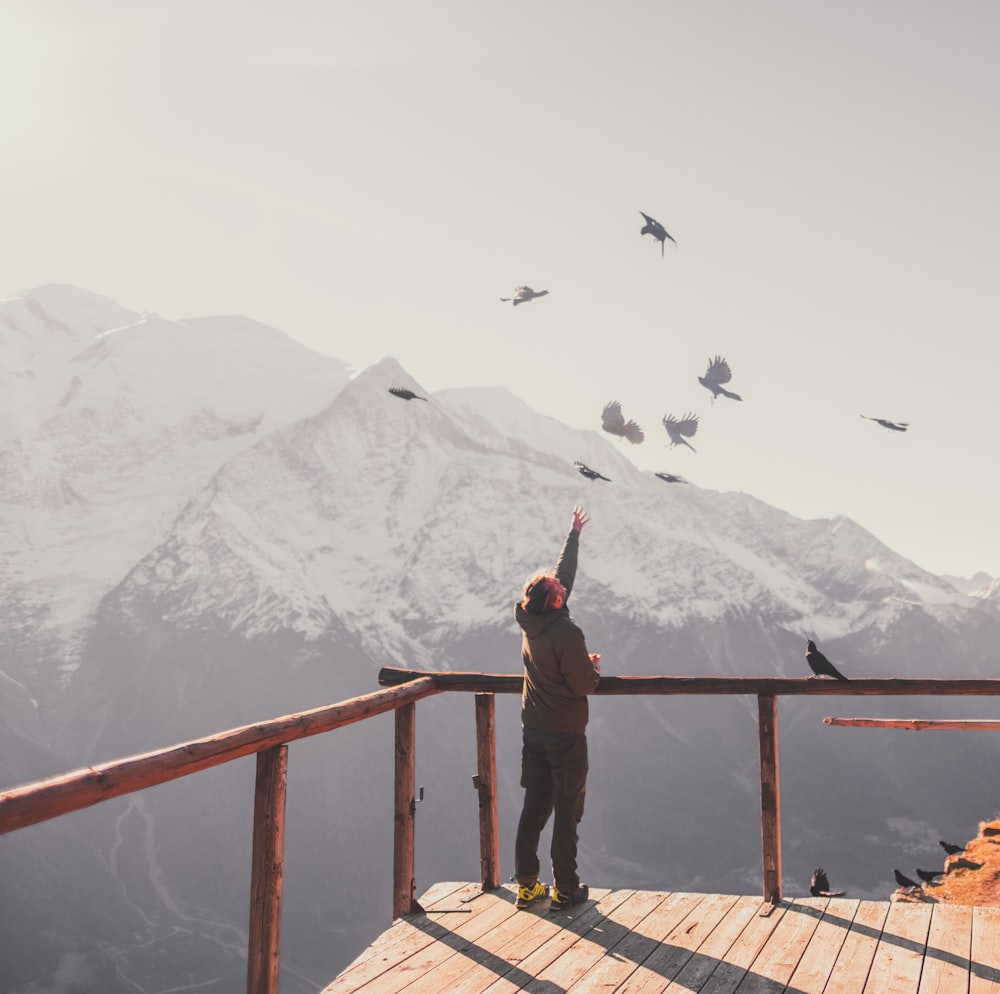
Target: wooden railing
37 802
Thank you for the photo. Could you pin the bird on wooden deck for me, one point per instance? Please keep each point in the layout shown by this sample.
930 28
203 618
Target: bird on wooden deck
891 425
524 293
590 474
819 664
670 478
654 228
929 876
819 885
677 430
614 423
950 848
718 372
903 880
404 393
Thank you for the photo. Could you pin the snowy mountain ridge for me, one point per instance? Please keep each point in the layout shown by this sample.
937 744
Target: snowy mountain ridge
111 428
217 465
366 512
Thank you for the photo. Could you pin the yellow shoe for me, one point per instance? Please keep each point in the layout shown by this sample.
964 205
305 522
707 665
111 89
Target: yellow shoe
562 900
527 896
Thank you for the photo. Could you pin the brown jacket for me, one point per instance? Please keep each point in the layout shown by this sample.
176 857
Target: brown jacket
558 671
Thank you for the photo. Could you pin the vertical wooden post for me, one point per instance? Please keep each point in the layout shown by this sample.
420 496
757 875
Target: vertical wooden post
770 796
486 784
267 869
404 901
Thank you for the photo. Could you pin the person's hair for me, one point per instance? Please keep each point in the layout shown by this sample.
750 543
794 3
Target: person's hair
543 592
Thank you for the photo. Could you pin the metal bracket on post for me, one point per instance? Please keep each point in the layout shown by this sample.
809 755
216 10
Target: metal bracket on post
416 801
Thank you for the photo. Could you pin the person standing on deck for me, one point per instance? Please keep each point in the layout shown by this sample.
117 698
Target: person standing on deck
559 673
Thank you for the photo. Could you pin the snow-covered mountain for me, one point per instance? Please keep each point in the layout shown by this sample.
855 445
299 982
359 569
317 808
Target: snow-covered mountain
111 422
203 524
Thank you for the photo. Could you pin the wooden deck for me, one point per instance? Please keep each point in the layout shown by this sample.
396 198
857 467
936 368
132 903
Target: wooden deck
470 942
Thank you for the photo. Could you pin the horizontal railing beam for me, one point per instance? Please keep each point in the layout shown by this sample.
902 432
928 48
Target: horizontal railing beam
916 724
507 683
37 802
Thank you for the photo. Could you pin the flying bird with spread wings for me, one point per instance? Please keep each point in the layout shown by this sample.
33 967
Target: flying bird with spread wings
614 423
819 885
680 431
654 228
891 425
716 375
404 393
591 474
524 293
903 880
670 478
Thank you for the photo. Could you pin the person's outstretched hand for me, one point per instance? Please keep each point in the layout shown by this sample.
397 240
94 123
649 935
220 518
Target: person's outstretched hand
580 518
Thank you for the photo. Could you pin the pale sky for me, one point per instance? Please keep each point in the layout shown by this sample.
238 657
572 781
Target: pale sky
372 177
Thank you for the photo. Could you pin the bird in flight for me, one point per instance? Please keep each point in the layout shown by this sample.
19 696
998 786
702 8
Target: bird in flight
819 885
950 848
523 293
718 372
654 228
903 880
590 474
929 876
614 423
670 478
891 425
404 393
819 664
681 431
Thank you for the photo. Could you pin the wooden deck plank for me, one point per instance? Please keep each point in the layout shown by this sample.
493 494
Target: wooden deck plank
816 965
680 947
946 957
696 971
425 943
985 966
574 962
480 965
641 942
396 944
561 931
731 971
900 954
774 965
854 961
638 945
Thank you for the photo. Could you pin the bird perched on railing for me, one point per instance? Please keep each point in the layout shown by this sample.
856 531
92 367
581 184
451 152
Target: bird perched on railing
590 474
903 880
819 885
718 372
677 430
523 293
404 393
819 664
614 423
654 228
891 425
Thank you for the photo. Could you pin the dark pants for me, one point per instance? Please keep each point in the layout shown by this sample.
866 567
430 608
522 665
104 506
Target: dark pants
554 778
